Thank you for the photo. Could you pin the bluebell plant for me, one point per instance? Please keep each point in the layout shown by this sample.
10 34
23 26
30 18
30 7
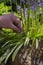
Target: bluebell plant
32 21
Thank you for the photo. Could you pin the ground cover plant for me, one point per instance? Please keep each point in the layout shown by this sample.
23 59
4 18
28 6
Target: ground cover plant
31 17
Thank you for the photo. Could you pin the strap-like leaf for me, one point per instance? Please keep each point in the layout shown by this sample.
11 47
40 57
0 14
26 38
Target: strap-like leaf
4 56
16 51
9 54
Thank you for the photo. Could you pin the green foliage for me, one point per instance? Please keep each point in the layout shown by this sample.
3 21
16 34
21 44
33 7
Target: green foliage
4 9
11 42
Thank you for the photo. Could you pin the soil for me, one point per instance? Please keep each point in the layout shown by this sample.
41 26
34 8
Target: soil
28 56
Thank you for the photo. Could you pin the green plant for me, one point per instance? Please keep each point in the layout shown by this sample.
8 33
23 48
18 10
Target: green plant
4 9
11 43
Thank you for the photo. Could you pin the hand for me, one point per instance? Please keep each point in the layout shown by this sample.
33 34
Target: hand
10 21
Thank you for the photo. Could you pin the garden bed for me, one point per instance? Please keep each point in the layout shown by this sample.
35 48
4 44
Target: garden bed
28 56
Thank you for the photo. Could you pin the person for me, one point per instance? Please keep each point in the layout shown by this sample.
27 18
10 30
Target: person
10 21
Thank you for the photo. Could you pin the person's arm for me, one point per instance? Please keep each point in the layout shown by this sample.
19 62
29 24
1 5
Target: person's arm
10 21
